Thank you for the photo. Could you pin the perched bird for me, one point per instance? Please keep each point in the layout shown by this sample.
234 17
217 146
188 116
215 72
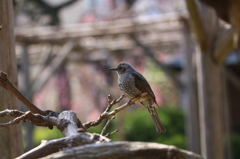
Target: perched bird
132 84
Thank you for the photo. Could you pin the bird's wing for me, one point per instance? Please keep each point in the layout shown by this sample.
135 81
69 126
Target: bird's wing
142 84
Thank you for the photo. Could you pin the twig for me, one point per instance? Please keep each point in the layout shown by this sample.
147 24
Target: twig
5 83
17 120
108 134
107 124
13 113
36 119
107 114
115 101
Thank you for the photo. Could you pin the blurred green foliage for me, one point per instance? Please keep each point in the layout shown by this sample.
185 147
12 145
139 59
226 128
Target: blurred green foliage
43 133
235 141
139 127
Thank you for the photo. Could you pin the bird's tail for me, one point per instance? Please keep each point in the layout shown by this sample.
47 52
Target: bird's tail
157 122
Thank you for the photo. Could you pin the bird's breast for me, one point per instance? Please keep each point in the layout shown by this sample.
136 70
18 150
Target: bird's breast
126 84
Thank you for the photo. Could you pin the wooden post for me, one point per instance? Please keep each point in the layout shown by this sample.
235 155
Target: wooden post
189 92
210 104
210 92
209 76
10 137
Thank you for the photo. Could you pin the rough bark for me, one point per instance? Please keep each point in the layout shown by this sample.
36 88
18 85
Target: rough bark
49 147
121 150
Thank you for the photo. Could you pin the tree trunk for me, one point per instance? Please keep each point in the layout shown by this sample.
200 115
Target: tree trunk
125 150
10 137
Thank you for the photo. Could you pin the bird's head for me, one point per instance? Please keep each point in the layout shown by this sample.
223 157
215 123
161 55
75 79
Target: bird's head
122 68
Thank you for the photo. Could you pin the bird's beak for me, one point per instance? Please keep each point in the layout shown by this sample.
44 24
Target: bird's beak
115 69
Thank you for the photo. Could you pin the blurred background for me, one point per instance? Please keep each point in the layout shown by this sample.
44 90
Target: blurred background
65 47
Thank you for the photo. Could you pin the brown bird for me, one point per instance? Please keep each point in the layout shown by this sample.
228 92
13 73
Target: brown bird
132 84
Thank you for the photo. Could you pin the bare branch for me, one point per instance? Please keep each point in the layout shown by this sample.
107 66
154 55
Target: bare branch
108 134
15 121
35 119
67 121
107 124
5 83
52 146
114 101
13 113
109 102
107 114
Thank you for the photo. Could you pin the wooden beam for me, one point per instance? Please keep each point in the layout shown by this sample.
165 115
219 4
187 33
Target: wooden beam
125 43
223 46
162 24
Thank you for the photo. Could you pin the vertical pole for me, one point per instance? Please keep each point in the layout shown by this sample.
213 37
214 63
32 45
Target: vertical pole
210 106
189 92
226 117
210 99
11 136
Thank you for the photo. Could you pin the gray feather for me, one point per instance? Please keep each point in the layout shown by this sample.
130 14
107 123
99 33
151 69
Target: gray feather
142 84
157 122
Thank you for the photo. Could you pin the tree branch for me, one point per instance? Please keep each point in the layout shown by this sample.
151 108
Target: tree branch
107 114
13 113
108 134
5 83
67 121
105 127
52 146
125 150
